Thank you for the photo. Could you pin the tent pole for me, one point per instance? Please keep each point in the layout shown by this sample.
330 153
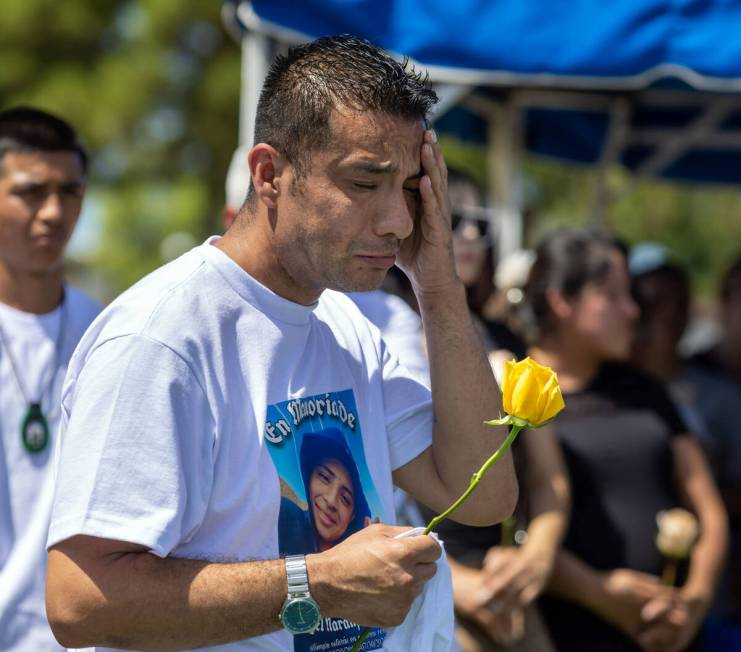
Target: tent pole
615 139
696 133
256 58
504 151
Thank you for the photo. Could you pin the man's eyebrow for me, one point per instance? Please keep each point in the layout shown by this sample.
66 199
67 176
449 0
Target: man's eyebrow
32 183
374 168
383 168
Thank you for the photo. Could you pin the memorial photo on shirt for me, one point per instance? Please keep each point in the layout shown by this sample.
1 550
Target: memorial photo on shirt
327 493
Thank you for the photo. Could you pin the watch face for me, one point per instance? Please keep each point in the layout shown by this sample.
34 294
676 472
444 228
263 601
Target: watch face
300 615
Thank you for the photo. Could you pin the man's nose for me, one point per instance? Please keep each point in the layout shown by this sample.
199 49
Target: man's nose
395 217
51 208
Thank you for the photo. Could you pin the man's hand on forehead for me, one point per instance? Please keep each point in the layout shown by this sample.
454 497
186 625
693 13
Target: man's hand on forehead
427 256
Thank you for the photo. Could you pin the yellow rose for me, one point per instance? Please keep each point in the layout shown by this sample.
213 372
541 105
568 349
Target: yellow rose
678 530
530 394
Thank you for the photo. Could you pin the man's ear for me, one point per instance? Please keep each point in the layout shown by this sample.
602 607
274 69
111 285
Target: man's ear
267 166
559 304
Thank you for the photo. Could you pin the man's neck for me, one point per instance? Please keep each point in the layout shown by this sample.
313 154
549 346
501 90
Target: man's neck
249 247
34 293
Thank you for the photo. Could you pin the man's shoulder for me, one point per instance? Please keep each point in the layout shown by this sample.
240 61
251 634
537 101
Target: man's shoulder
162 305
173 287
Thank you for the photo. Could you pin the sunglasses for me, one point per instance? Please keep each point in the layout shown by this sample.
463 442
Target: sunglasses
479 217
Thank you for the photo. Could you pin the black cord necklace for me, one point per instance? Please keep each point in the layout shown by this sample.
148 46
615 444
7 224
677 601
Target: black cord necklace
34 426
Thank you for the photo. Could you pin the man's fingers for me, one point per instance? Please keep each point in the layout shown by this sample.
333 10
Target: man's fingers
425 572
429 161
416 549
434 167
423 549
430 205
390 531
429 199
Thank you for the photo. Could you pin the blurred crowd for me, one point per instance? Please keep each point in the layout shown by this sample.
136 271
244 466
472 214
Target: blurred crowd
652 423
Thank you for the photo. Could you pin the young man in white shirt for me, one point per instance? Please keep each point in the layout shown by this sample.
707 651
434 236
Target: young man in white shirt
183 471
42 182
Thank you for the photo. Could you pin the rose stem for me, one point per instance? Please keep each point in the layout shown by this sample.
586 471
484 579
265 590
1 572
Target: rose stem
477 477
669 576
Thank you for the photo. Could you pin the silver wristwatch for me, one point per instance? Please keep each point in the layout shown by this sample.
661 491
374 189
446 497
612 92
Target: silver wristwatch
300 613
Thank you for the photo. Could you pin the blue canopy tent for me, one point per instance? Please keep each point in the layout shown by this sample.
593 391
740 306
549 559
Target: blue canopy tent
652 84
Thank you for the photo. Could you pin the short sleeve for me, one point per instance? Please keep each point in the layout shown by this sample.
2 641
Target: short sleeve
137 441
408 409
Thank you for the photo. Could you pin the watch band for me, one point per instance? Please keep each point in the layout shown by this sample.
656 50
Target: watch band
298 577
300 613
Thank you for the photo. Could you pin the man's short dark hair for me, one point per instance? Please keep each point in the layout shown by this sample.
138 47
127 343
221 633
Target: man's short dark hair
302 88
27 130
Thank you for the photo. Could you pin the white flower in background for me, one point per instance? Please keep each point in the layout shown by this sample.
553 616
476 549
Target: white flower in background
678 530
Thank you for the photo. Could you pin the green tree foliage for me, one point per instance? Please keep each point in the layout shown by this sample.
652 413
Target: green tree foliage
153 88
700 224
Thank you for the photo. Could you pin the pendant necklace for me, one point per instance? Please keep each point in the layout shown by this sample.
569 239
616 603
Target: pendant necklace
34 425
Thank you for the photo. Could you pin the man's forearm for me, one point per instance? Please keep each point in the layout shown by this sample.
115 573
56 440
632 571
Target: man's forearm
102 592
137 600
465 394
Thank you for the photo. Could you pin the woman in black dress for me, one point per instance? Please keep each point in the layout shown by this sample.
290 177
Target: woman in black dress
628 456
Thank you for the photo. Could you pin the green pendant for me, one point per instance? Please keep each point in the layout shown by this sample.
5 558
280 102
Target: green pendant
35 429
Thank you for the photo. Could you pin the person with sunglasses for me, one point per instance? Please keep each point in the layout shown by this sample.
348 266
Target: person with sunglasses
474 234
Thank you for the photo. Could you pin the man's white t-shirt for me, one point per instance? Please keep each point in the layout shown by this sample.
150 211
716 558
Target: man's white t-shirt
40 353
400 326
187 406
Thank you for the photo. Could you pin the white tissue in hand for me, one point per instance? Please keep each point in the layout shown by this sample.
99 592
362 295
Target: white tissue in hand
430 623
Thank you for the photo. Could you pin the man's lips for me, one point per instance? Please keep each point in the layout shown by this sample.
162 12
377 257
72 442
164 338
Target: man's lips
52 238
381 261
